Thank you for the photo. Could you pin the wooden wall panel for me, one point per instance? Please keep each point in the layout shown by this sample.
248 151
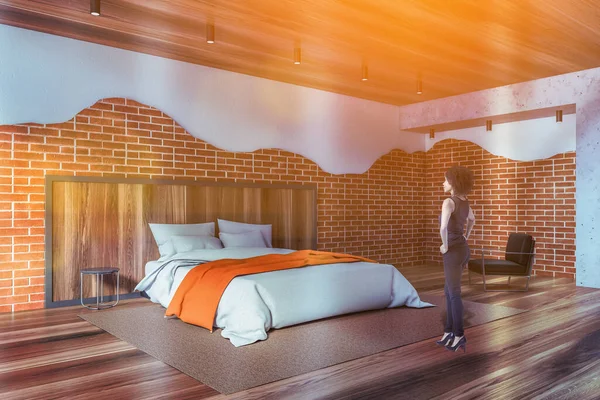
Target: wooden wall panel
62 275
135 242
198 206
292 212
273 205
161 204
164 203
86 231
304 219
105 224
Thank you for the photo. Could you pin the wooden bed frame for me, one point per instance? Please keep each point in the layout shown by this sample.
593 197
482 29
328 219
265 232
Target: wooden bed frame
94 222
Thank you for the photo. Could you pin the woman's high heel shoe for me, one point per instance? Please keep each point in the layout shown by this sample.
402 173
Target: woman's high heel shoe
461 343
446 341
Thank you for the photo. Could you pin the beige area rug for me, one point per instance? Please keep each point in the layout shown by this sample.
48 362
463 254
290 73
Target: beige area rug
287 352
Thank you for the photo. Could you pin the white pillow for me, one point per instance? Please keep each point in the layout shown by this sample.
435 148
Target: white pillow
245 239
189 243
239 227
162 234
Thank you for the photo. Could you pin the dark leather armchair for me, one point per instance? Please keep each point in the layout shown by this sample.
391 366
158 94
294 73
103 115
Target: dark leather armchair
518 261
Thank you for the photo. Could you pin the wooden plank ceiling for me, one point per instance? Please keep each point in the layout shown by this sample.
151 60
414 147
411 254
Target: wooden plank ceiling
455 46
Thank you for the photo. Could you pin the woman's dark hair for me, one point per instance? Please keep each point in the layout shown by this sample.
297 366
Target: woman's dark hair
461 179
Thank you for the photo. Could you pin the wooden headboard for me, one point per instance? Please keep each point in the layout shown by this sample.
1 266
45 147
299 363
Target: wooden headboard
103 222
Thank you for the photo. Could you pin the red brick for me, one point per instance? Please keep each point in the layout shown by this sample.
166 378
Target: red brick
20 282
13 299
29 306
29 272
4 283
28 289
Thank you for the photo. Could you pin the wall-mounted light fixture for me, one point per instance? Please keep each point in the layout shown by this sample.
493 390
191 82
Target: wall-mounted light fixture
95 7
210 33
365 71
559 116
488 125
432 133
419 86
297 55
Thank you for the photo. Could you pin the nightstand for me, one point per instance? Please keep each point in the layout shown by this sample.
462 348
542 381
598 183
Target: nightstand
99 272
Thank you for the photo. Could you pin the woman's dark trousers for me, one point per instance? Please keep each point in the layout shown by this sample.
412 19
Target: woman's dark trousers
454 260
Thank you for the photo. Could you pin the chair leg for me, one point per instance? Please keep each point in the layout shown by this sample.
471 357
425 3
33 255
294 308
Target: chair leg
117 302
484 285
509 280
81 288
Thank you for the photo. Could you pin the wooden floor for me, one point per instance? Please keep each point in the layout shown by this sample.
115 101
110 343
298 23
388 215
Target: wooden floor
550 352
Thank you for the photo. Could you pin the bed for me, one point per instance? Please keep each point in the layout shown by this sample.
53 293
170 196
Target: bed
251 305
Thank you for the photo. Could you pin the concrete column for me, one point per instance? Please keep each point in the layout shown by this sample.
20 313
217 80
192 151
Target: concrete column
588 188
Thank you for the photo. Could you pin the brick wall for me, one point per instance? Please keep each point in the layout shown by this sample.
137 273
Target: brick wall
535 197
388 213
376 214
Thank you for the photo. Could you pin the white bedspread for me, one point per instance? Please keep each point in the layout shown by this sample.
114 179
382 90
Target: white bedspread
253 304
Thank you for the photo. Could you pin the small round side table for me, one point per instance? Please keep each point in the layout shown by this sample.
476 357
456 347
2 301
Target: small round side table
99 272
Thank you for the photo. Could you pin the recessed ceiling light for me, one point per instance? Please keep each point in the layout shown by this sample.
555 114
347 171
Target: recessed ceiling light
297 55
210 33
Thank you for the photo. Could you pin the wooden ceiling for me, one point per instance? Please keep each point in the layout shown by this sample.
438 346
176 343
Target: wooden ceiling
455 46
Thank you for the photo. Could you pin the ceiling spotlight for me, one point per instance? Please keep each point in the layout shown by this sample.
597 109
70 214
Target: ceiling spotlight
488 125
559 116
432 133
365 72
419 87
210 33
95 7
297 55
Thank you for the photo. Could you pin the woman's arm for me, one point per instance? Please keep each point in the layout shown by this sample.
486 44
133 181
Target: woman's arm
470 222
447 210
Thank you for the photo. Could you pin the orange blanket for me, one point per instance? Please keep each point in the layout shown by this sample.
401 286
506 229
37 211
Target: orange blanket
198 295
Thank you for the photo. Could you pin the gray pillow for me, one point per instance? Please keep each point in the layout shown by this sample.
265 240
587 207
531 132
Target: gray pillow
240 227
244 239
183 244
162 234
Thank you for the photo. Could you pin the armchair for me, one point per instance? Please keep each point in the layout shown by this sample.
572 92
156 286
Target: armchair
518 261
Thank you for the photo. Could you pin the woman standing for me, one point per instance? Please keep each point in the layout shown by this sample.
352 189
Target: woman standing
455 212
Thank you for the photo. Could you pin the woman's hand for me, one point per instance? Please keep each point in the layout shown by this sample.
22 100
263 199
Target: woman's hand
443 249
